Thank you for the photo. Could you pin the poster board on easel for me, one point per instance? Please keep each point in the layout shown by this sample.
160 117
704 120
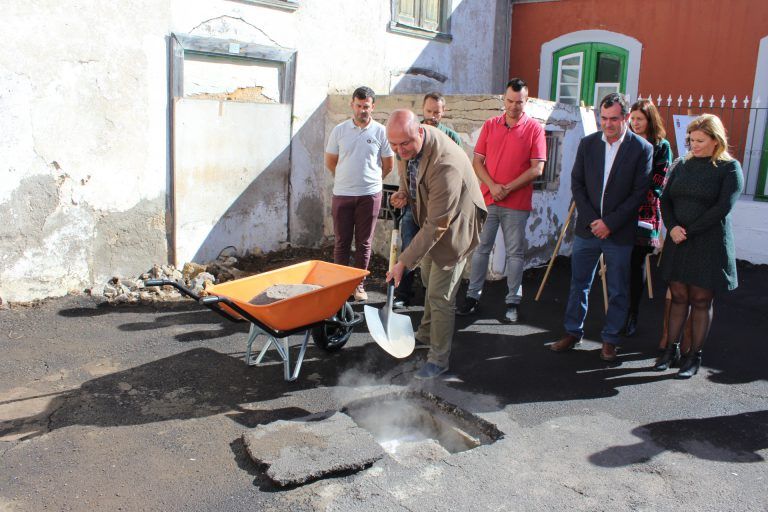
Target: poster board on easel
681 123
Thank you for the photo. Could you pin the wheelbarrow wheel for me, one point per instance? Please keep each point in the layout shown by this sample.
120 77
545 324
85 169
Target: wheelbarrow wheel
331 336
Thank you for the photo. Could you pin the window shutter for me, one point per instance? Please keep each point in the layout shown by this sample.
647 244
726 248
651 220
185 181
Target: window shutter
430 15
406 12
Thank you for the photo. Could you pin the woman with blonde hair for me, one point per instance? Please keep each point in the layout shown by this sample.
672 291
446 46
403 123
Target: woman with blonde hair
699 255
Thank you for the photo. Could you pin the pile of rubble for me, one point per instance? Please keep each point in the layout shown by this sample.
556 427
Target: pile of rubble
196 277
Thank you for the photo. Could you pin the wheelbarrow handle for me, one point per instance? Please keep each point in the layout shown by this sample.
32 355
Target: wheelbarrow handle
163 282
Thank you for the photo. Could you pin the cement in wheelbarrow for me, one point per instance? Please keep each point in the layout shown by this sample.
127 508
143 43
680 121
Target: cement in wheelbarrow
337 283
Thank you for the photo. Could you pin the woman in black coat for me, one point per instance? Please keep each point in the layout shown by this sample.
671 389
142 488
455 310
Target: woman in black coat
699 255
644 120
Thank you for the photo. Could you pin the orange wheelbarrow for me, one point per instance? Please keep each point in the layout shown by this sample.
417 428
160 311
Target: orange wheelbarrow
323 313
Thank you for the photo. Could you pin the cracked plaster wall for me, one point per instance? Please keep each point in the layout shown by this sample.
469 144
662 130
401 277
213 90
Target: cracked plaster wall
84 139
466 115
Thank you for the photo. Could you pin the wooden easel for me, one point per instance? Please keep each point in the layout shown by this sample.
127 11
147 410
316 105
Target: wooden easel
571 210
557 249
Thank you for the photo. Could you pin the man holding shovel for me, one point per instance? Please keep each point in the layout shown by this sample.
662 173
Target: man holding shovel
450 212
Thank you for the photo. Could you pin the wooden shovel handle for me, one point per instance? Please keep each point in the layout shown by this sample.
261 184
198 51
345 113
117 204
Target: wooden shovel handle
393 248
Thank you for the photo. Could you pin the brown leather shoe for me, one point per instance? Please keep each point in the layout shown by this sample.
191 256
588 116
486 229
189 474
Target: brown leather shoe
565 343
609 352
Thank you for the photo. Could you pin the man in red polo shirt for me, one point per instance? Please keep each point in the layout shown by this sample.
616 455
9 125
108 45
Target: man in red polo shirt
509 156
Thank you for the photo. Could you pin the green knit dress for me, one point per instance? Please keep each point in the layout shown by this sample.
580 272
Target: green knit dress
699 197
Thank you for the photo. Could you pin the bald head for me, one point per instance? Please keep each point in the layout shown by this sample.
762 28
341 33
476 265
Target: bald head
405 134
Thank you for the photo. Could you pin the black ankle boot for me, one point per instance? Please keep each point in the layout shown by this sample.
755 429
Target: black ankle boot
690 365
668 359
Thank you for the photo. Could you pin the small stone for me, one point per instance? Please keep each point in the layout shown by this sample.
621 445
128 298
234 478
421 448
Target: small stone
202 280
176 275
229 261
132 284
96 290
237 273
192 269
110 291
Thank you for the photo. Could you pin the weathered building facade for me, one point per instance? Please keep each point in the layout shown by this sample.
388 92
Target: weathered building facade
105 155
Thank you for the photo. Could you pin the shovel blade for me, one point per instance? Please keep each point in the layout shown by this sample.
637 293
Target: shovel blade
391 331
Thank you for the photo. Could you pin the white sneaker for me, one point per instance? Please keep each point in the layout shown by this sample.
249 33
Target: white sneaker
360 293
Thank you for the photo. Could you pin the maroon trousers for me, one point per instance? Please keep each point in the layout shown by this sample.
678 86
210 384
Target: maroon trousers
354 216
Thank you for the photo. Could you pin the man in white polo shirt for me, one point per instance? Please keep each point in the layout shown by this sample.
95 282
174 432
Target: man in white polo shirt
359 157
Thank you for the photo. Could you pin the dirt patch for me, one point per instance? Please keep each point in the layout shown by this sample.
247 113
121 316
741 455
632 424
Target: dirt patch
256 264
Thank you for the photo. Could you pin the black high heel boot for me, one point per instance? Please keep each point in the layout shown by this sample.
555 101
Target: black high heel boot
668 358
690 365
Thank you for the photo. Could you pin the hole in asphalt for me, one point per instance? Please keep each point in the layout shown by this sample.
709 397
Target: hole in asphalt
398 421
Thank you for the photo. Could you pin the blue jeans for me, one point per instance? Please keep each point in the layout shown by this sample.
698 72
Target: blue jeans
512 224
584 260
408 230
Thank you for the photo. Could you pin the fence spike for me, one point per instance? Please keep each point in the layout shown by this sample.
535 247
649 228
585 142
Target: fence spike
690 100
701 101
711 101
679 100
746 101
756 103
722 101
659 100
734 100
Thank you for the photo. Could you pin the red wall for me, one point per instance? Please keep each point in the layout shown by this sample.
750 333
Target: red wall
695 47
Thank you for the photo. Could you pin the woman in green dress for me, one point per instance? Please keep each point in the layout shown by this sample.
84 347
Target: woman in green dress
699 255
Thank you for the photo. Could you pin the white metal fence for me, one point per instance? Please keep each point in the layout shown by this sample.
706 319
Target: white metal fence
744 120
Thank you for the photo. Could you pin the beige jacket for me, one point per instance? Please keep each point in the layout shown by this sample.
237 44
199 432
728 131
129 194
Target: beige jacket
449 208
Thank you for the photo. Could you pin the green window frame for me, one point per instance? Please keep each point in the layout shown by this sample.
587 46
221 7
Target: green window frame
589 55
429 19
762 176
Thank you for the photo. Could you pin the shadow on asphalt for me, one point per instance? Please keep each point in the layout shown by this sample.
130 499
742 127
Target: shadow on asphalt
192 384
511 363
735 438
484 350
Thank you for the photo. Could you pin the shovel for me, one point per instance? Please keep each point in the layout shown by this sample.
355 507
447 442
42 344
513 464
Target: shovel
392 331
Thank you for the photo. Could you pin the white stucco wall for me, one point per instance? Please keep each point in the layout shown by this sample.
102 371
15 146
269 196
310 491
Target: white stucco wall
82 142
84 137
750 230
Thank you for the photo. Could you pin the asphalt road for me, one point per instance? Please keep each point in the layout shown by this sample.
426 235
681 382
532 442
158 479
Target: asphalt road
143 408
